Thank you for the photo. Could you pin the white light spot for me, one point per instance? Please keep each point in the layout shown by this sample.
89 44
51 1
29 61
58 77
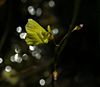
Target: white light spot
23 35
17 49
42 82
51 3
25 56
1 60
38 12
17 58
81 25
8 68
36 54
12 59
32 48
31 10
19 29
55 31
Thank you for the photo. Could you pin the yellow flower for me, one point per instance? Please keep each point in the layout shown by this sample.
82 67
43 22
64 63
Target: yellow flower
36 34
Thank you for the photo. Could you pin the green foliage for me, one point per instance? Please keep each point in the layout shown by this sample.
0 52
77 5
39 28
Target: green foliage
36 34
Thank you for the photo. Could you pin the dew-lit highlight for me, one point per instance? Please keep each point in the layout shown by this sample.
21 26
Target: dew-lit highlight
23 35
12 59
1 60
31 10
42 82
81 25
24 56
36 54
51 3
8 68
19 29
17 49
17 58
38 12
32 48
55 31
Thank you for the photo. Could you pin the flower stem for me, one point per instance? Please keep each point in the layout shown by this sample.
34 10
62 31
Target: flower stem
63 42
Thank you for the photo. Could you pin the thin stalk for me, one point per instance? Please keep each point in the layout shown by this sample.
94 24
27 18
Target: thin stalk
64 40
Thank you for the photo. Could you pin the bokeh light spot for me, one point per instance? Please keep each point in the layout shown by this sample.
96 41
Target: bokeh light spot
31 10
81 25
42 82
55 31
17 58
8 68
32 48
25 56
1 60
23 35
38 12
36 54
51 3
19 29
12 59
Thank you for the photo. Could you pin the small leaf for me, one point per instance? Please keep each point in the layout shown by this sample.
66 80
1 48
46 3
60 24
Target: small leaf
78 27
36 34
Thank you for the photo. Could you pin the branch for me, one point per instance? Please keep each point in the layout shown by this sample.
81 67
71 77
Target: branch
59 48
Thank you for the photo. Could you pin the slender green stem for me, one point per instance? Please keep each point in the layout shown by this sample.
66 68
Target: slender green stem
63 42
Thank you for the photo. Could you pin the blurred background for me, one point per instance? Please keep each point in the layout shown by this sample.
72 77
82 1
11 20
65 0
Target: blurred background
31 66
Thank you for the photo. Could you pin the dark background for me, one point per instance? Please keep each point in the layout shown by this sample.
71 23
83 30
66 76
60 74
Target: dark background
80 58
